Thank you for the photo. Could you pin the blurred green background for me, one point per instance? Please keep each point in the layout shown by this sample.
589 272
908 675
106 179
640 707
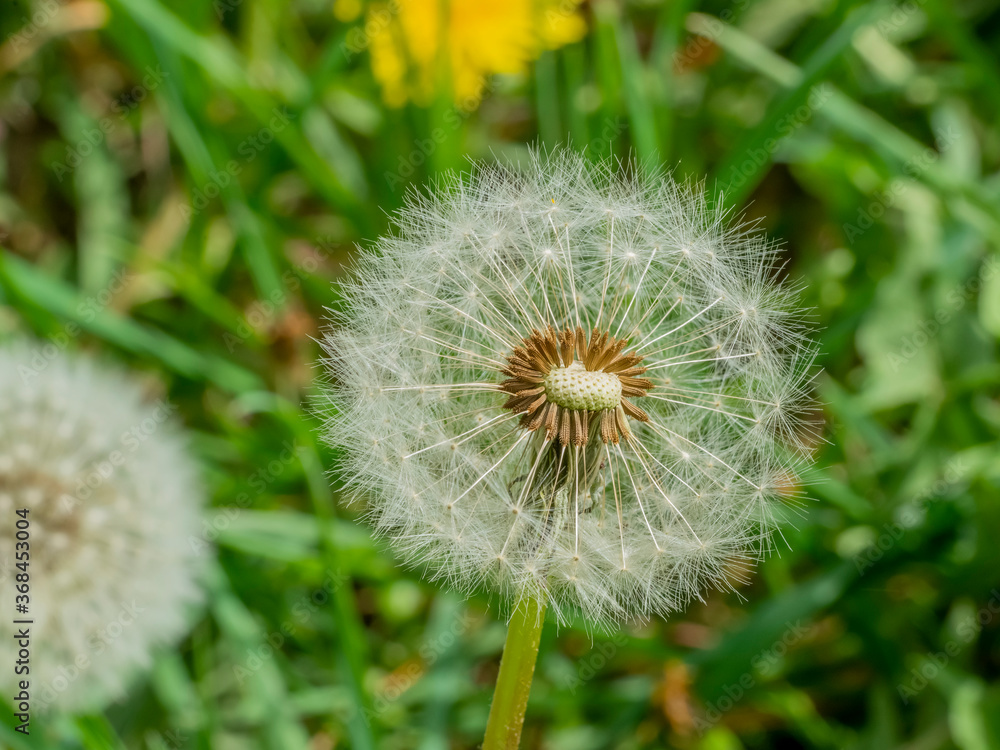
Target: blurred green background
182 183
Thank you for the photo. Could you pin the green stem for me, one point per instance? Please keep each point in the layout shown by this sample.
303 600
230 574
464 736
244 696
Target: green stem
517 666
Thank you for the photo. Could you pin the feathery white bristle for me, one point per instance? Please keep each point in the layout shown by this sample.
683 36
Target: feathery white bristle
641 527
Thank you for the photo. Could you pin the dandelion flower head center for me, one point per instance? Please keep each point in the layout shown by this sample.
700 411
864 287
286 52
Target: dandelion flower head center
571 386
578 389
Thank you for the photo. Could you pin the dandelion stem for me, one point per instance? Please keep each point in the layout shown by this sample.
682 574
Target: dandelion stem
517 667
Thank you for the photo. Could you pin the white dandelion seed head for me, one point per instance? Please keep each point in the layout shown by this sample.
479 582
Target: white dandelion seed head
113 502
561 382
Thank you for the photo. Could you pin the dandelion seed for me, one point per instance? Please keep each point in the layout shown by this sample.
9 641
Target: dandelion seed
112 502
592 385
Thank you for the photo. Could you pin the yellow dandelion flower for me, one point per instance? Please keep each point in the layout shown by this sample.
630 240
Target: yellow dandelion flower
419 46
347 10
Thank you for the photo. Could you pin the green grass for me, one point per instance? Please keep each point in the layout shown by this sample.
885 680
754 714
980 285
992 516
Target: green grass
862 135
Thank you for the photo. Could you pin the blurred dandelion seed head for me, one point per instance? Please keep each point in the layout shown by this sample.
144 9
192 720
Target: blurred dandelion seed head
564 382
112 502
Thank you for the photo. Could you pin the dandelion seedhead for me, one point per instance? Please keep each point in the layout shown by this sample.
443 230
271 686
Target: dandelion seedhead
565 383
112 502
